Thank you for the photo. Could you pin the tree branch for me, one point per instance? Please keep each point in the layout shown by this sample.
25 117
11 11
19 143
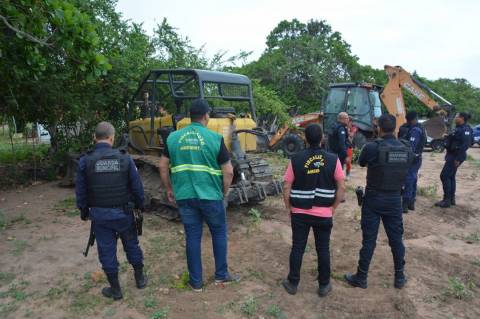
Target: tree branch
24 34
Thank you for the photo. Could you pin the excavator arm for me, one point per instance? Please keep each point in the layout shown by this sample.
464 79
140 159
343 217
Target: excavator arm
392 96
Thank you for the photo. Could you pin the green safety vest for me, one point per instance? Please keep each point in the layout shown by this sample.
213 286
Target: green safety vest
195 172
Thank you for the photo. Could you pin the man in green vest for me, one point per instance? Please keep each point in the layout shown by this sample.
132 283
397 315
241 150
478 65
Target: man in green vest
196 171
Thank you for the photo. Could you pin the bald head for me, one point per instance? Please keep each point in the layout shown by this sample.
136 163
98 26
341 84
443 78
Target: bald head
342 117
104 132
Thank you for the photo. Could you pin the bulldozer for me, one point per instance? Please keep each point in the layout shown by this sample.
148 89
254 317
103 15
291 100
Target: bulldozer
160 106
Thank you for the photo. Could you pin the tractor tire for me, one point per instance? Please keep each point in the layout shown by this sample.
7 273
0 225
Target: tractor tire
438 146
292 144
359 140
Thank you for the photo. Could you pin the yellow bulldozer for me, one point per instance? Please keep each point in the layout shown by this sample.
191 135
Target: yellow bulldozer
160 106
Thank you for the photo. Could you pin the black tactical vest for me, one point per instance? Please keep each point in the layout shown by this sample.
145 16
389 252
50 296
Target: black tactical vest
107 178
314 183
388 172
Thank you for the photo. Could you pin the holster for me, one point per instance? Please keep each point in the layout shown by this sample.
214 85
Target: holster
137 216
360 194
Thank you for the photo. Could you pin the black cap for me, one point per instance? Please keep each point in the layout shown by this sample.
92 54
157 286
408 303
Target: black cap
411 116
199 107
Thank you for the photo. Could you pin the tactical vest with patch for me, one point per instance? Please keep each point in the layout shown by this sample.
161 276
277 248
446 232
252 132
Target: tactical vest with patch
107 178
389 170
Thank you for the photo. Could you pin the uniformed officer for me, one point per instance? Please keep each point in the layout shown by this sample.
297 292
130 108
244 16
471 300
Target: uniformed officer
198 163
413 132
106 186
388 160
457 144
338 138
313 188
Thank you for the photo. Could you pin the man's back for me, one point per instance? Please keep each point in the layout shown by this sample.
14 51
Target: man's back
195 165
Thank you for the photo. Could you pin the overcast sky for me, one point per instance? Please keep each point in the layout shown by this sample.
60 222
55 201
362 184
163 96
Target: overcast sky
436 38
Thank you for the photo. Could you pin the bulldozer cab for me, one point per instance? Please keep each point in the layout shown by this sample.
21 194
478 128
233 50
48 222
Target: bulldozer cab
161 103
360 100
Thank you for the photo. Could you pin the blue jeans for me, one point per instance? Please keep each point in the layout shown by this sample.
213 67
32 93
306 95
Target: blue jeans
193 212
106 234
410 190
322 227
386 207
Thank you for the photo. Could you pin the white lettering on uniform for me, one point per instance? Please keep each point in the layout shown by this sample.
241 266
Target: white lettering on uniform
467 133
343 132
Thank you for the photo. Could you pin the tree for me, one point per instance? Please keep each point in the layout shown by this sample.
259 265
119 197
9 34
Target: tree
301 60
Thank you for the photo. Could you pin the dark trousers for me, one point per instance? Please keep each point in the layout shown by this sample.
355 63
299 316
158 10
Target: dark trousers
322 228
386 207
410 190
106 234
447 176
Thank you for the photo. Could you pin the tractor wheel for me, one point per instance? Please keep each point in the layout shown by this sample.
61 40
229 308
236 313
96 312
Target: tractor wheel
359 140
291 144
438 146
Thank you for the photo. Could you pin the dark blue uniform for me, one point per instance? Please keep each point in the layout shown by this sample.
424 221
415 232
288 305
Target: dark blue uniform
416 137
457 144
383 202
112 222
338 141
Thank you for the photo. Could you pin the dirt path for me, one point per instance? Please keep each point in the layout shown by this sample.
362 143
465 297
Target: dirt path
44 275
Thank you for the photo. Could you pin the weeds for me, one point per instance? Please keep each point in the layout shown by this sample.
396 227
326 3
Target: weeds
456 288
6 278
182 282
150 302
160 314
428 191
249 307
3 222
255 216
476 262
473 238
19 247
67 207
276 312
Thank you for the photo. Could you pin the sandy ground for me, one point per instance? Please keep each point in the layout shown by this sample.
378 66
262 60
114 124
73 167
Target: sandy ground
44 275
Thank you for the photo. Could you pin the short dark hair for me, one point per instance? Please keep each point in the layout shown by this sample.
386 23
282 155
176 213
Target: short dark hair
313 134
412 115
466 116
387 123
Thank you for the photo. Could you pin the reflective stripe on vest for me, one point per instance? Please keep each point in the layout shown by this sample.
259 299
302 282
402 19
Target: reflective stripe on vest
317 192
196 168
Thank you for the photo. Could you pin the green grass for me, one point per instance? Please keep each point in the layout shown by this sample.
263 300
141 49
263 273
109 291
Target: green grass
456 288
276 312
473 238
67 207
19 247
22 152
150 302
249 307
182 282
476 262
3 221
6 278
428 191
20 219
255 216
162 313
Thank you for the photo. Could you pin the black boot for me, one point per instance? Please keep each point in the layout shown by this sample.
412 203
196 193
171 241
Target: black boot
411 205
289 287
114 290
357 280
405 207
445 203
140 278
400 279
452 201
